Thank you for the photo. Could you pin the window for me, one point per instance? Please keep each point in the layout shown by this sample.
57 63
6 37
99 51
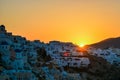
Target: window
74 63
6 47
2 29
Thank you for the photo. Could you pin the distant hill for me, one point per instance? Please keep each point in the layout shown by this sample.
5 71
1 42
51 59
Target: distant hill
110 42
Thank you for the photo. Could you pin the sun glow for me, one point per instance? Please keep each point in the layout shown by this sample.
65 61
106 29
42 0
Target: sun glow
82 45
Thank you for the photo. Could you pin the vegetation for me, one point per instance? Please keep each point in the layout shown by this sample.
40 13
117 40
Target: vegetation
42 55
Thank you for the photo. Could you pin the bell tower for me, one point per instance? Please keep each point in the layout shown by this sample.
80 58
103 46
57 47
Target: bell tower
2 29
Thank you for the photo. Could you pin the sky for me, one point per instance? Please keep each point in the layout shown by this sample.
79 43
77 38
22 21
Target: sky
77 21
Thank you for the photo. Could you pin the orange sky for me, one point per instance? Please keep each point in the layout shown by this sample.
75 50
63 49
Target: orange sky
77 21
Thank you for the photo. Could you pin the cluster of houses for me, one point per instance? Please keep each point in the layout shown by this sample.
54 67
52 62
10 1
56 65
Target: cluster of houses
18 55
15 52
67 54
111 55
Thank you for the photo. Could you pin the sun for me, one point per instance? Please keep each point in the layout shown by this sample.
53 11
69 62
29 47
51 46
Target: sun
82 45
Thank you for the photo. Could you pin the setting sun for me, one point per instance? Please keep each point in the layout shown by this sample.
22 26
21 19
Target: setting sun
82 45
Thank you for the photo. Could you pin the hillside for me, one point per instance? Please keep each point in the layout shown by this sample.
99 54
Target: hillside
111 42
